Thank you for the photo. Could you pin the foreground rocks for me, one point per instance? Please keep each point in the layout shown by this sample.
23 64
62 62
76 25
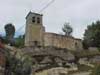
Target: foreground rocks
2 62
54 71
50 60
61 71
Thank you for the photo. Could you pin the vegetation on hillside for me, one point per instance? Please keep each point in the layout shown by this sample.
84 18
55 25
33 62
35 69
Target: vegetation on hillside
92 35
96 70
67 29
17 63
19 41
10 39
10 32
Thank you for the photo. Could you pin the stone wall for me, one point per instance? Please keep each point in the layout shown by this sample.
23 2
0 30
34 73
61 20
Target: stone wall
34 31
34 34
61 41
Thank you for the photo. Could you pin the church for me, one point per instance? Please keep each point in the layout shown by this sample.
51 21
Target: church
35 34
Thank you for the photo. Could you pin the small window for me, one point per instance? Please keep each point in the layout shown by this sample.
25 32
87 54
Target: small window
38 20
75 43
35 43
33 19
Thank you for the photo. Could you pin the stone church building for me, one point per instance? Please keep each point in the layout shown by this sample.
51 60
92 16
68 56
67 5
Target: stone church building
35 34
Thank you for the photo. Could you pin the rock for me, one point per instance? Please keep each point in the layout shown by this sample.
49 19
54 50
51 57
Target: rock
58 71
54 71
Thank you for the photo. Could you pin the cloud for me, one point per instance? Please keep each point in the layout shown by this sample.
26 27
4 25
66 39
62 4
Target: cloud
79 13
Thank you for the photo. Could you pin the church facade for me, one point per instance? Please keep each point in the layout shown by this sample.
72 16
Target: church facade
35 34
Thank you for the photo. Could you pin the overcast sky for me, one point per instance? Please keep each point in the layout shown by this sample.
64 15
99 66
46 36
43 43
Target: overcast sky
79 13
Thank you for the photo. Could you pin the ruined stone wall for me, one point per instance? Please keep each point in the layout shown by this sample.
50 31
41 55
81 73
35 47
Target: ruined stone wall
61 41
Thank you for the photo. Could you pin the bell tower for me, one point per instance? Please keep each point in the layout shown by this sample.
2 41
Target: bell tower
34 29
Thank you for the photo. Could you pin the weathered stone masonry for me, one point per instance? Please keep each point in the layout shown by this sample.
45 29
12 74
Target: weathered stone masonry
61 41
35 34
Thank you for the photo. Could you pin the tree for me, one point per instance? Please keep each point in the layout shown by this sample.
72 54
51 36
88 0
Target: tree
67 29
17 63
20 41
10 32
92 35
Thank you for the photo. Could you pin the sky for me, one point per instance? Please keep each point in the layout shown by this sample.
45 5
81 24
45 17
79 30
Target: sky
79 13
